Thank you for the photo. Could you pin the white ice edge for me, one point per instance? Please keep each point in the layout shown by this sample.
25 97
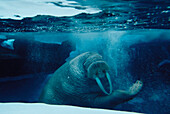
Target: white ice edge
31 8
39 108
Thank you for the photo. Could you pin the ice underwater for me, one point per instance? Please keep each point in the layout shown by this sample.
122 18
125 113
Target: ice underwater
131 55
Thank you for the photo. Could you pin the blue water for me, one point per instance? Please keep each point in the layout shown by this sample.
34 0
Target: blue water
132 36
109 15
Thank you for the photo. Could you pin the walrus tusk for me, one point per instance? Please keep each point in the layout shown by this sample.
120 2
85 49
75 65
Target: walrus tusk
101 85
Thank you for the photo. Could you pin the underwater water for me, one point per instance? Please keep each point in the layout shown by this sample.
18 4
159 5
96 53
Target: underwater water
132 36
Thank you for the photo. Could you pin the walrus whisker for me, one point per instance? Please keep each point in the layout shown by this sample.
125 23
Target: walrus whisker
101 85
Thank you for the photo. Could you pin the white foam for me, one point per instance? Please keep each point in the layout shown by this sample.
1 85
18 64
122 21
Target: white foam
18 9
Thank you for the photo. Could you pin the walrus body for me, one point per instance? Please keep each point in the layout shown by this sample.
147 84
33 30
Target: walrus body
74 83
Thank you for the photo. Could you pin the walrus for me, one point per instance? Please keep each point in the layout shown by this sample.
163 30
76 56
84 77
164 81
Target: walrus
85 81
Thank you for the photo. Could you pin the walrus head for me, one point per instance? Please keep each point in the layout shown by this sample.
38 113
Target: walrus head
97 68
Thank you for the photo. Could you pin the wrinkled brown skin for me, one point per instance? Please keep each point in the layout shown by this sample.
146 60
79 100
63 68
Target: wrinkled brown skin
70 86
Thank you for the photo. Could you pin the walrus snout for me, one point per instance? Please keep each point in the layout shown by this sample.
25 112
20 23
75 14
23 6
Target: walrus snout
96 69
